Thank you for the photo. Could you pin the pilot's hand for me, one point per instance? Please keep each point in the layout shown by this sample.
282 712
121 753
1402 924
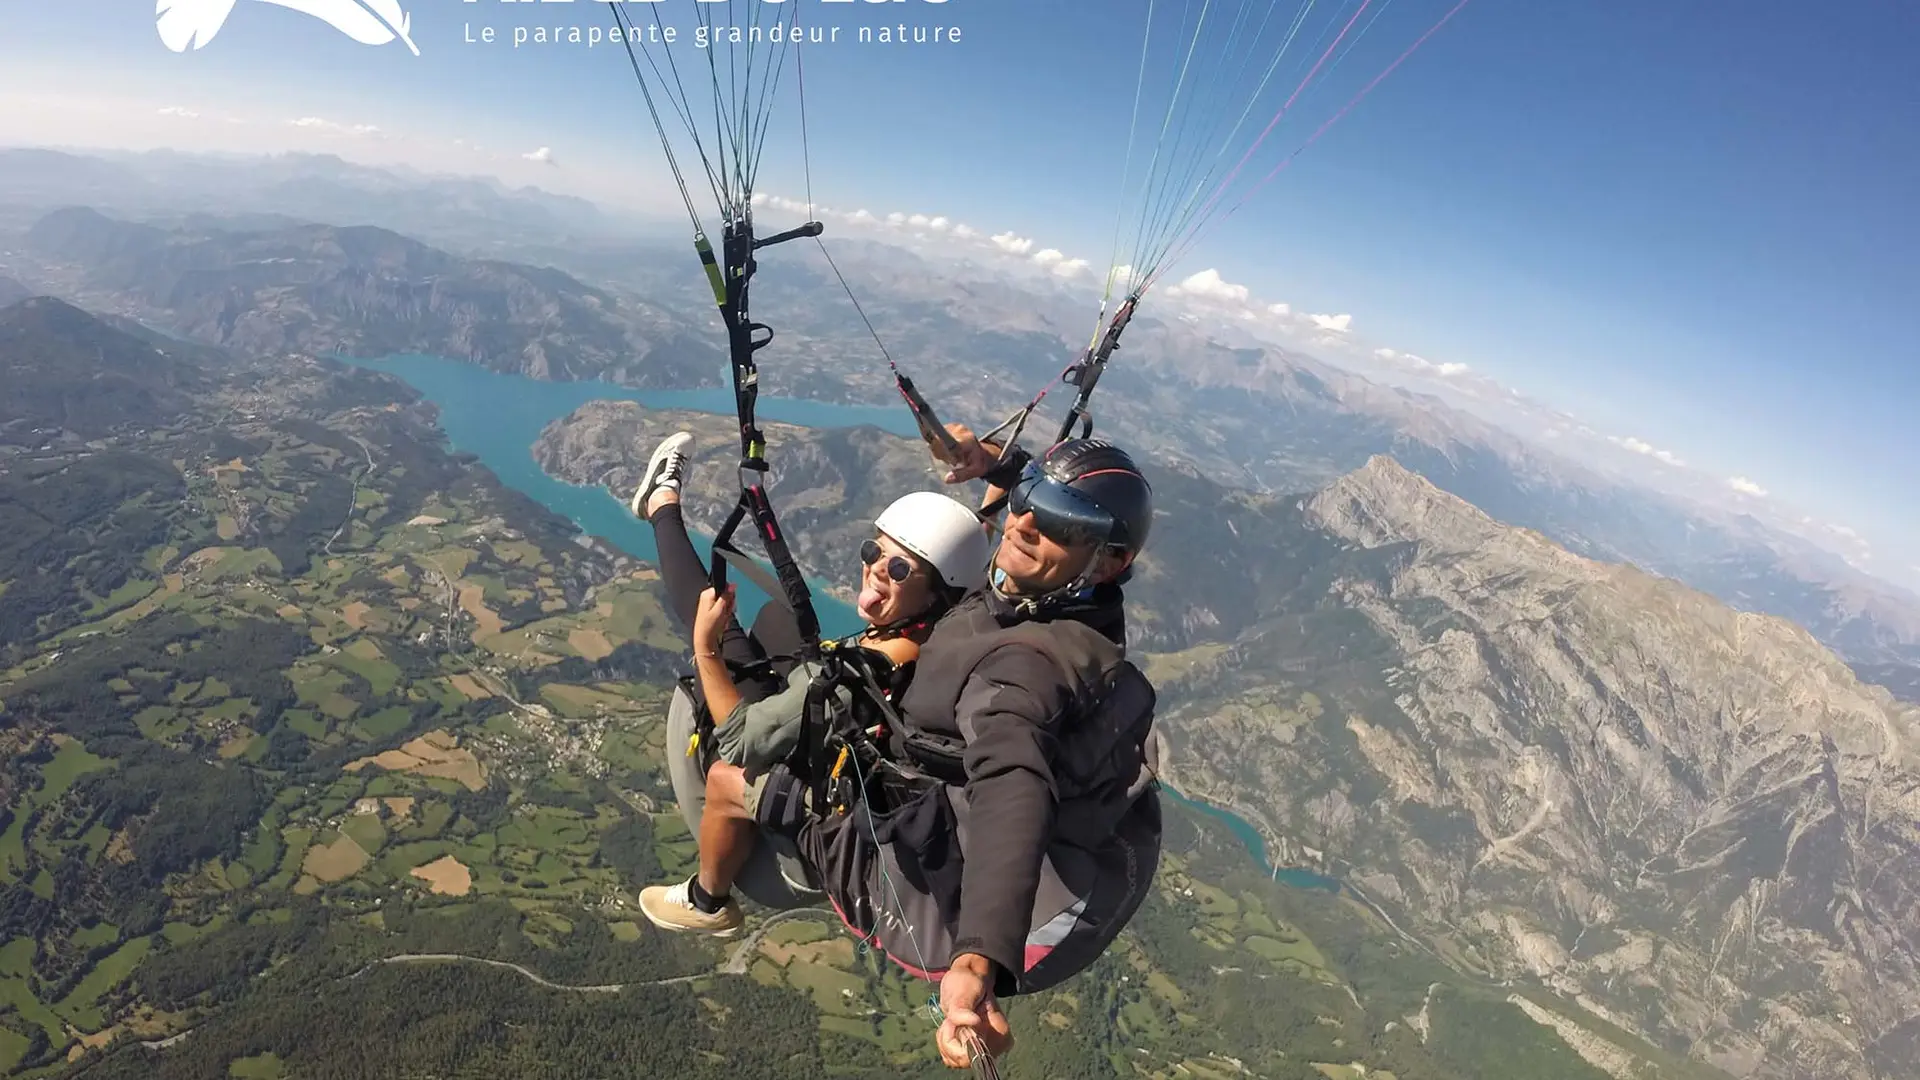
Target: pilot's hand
975 458
966 999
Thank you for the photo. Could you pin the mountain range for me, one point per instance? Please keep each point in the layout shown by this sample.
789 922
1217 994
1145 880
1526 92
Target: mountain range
1248 415
321 289
467 212
1697 822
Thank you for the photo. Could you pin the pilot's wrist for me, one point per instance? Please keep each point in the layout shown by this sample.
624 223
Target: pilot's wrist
1006 473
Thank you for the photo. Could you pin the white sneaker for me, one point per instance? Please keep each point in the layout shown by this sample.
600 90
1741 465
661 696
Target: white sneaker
670 907
667 468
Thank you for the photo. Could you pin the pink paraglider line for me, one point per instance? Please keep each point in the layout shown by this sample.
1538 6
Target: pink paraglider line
1325 127
1275 122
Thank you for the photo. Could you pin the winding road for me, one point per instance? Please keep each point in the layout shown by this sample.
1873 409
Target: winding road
737 962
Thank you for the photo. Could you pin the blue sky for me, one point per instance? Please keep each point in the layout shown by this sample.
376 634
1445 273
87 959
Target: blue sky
1691 224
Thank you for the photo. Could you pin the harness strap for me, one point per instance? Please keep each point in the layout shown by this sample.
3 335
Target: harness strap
745 338
1086 374
789 586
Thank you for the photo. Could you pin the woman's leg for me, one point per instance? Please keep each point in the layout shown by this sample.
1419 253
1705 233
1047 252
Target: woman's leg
685 577
681 569
776 630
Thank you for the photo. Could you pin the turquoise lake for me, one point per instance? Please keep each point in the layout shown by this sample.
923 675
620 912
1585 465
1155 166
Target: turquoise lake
497 417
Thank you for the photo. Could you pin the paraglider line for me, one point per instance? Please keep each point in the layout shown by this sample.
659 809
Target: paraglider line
1213 199
1357 39
806 147
1336 118
666 144
682 109
1126 172
1163 235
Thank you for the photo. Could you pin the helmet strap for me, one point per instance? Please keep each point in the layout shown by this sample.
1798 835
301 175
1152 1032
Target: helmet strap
1073 595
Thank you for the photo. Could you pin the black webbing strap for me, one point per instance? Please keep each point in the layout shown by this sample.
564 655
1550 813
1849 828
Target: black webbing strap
1086 374
745 338
932 430
790 587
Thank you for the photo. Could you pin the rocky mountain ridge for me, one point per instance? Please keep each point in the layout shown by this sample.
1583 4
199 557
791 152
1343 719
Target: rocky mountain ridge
363 290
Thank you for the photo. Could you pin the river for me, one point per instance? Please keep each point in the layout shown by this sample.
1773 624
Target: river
498 417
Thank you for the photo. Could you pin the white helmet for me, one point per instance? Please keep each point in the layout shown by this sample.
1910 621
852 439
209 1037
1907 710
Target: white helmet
943 533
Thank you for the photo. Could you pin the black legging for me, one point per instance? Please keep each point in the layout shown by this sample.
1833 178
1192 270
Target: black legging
775 631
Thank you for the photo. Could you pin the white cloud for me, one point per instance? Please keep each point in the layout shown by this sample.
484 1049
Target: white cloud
939 224
1011 244
896 218
1646 449
1333 324
1208 285
919 221
543 156
862 216
1282 310
1746 487
316 123
1846 533
184 114
1057 263
1419 363
781 202
964 232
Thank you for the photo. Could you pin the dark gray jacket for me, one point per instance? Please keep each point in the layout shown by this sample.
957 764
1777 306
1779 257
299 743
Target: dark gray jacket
1007 698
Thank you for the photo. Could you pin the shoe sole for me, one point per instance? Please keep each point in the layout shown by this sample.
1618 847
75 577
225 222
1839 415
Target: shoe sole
667 447
732 931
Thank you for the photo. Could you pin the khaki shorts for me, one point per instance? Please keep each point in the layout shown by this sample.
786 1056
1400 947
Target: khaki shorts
776 800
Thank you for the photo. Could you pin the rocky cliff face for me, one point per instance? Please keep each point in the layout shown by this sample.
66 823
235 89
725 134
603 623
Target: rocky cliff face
1696 821
367 291
1699 820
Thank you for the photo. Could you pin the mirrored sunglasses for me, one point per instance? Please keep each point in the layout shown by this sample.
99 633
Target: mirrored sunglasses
898 568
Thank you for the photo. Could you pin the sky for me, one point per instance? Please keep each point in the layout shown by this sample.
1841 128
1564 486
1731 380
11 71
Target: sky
1687 226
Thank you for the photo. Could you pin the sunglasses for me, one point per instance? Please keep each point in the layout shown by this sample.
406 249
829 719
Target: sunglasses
1062 514
898 568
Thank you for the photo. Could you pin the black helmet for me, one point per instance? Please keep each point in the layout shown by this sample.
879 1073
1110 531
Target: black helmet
1105 475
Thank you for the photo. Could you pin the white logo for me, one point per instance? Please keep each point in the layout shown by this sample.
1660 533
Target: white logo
188 24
